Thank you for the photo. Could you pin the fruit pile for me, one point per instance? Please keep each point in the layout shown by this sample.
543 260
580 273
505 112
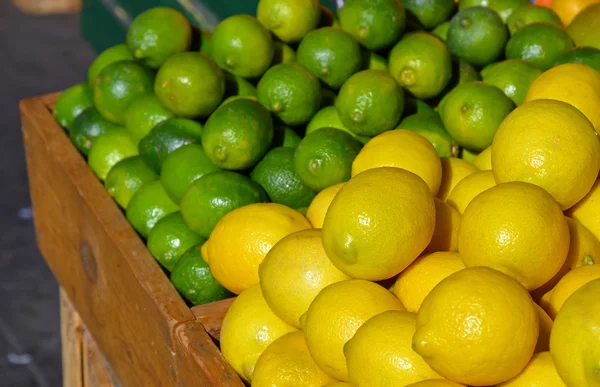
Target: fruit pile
405 193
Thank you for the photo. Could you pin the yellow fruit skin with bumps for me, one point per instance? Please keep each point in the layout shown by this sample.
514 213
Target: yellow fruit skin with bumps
379 223
287 363
477 327
568 285
380 354
418 280
289 20
340 384
248 328
516 228
540 372
336 314
468 188
483 161
435 383
568 9
447 223
587 209
320 204
401 148
242 239
543 342
294 271
454 170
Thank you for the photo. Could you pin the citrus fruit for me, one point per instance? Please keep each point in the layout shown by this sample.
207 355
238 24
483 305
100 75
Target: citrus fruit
201 41
110 55
87 127
468 188
285 136
237 86
71 103
429 13
416 106
339 384
430 126
485 339
569 284
108 149
435 383
126 178
327 117
513 77
441 31
328 97
543 342
529 14
320 204
540 372
588 56
445 235
149 205
143 114
467 155
356 233
483 161
454 170
568 9
372 61
336 314
282 53
289 20
584 28
586 210
504 8
539 43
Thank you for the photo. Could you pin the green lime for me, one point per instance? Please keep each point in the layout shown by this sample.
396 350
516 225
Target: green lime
147 206
126 178
236 97
472 113
143 114
477 35
421 64
166 137
462 72
588 56
373 61
376 24
285 136
416 106
88 126
441 31
118 85
276 175
242 46
331 54
192 277
324 158
370 103
467 155
216 194
238 86
529 14
170 238
430 126
289 20
327 19
190 84
326 118
486 70
513 77
108 149
504 8
585 28
328 97
71 103
430 13
182 167
283 53
201 41
110 55
539 43
158 33
291 92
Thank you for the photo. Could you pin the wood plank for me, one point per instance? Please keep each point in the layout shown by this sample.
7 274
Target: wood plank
72 348
95 370
211 316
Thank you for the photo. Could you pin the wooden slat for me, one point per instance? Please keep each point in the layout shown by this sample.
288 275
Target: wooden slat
211 316
95 372
71 334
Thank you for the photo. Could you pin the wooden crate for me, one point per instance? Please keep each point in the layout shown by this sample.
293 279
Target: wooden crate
47 7
145 330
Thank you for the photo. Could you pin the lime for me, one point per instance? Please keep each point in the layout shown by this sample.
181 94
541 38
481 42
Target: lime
192 277
324 158
236 97
588 56
421 63
242 46
88 126
326 118
190 85
170 239
216 194
110 55
328 97
283 53
126 178
539 43
585 28
372 61
166 137
285 136
529 14
504 8
238 86
201 41
462 72
441 31
149 205
429 13
118 85
467 155
513 77
289 20
477 35
486 70
71 103
416 106
430 126
108 149
143 114
182 167
472 112
370 102
331 54
376 24
158 33
291 92
238 134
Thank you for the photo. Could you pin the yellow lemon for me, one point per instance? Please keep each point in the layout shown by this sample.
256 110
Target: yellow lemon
340 384
320 204
445 234
248 328
287 363
543 342
294 272
483 161
242 239
453 171
540 372
586 211
568 285
336 314
468 188
416 281
404 149
380 354
568 9
477 327
550 144
516 228
573 83
435 383
357 232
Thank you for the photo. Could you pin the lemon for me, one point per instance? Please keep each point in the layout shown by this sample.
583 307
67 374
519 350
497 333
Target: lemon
356 231
242 238
477 327
453 171
336 314
445 235
540 372
320 204
340 384
587 209
287 362
248 328
294 271
546 323
417 280
568 9
435 383
289 20
483 161
468 188
404 149
568 285
573 83
380 353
